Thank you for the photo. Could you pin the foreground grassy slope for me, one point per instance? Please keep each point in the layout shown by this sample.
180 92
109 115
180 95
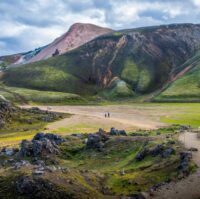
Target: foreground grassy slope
112 172
187 87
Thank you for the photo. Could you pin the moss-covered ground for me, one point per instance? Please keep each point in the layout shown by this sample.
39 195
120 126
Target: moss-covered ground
112 172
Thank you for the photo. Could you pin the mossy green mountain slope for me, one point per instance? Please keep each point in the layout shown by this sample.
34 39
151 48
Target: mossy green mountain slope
186 87
144 59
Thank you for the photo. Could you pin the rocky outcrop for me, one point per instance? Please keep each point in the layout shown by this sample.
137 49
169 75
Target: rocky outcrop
6 110
32 188
185 158
159 149
114 131
142 154
41 145
97 140
48 115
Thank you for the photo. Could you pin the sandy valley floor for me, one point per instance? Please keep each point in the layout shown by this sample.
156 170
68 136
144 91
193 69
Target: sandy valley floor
122 117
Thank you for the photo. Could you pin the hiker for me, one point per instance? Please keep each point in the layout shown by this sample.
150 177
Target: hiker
105 115
108 114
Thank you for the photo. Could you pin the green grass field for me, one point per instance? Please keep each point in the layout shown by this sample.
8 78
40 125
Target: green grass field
177 113
187 114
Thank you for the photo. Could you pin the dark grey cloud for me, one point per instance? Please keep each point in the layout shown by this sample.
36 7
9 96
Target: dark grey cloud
27 24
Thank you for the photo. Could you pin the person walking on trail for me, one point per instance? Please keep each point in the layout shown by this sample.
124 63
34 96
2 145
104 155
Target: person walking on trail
105 115
108 114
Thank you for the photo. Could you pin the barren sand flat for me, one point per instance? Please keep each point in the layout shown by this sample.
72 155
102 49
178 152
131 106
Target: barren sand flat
122 117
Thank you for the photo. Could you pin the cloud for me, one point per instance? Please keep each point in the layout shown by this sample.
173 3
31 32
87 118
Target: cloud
28 24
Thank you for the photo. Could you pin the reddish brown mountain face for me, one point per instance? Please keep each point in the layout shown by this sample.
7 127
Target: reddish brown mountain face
77 35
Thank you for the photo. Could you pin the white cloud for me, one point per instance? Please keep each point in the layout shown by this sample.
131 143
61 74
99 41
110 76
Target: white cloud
196 2
26 25
11 28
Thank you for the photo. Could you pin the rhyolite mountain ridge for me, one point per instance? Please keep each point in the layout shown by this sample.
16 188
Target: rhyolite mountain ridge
121 63
77 35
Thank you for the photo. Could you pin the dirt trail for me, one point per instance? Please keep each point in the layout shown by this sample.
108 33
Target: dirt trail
188 188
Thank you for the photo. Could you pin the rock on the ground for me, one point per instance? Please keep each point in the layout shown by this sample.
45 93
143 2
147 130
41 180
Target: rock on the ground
141 155
185 158
94 142
21 163
167 152
8 151
97 140
193 149
48 116
158 149
6 110
114 131
41 144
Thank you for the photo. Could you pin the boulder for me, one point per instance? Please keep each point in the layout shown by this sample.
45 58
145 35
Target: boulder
185 128
96 141
193 149
38 172
26 148
9 151
115 132
39 163
185 158
141 155
6 110
158 149
21 163
46 115
167 152
37 187
41 145
25 185
50 136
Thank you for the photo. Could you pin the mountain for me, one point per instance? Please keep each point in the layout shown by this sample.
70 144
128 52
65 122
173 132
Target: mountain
186 87
20 58
78 34
118 64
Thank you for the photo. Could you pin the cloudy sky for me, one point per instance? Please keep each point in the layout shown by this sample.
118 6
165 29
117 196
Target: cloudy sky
27 24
